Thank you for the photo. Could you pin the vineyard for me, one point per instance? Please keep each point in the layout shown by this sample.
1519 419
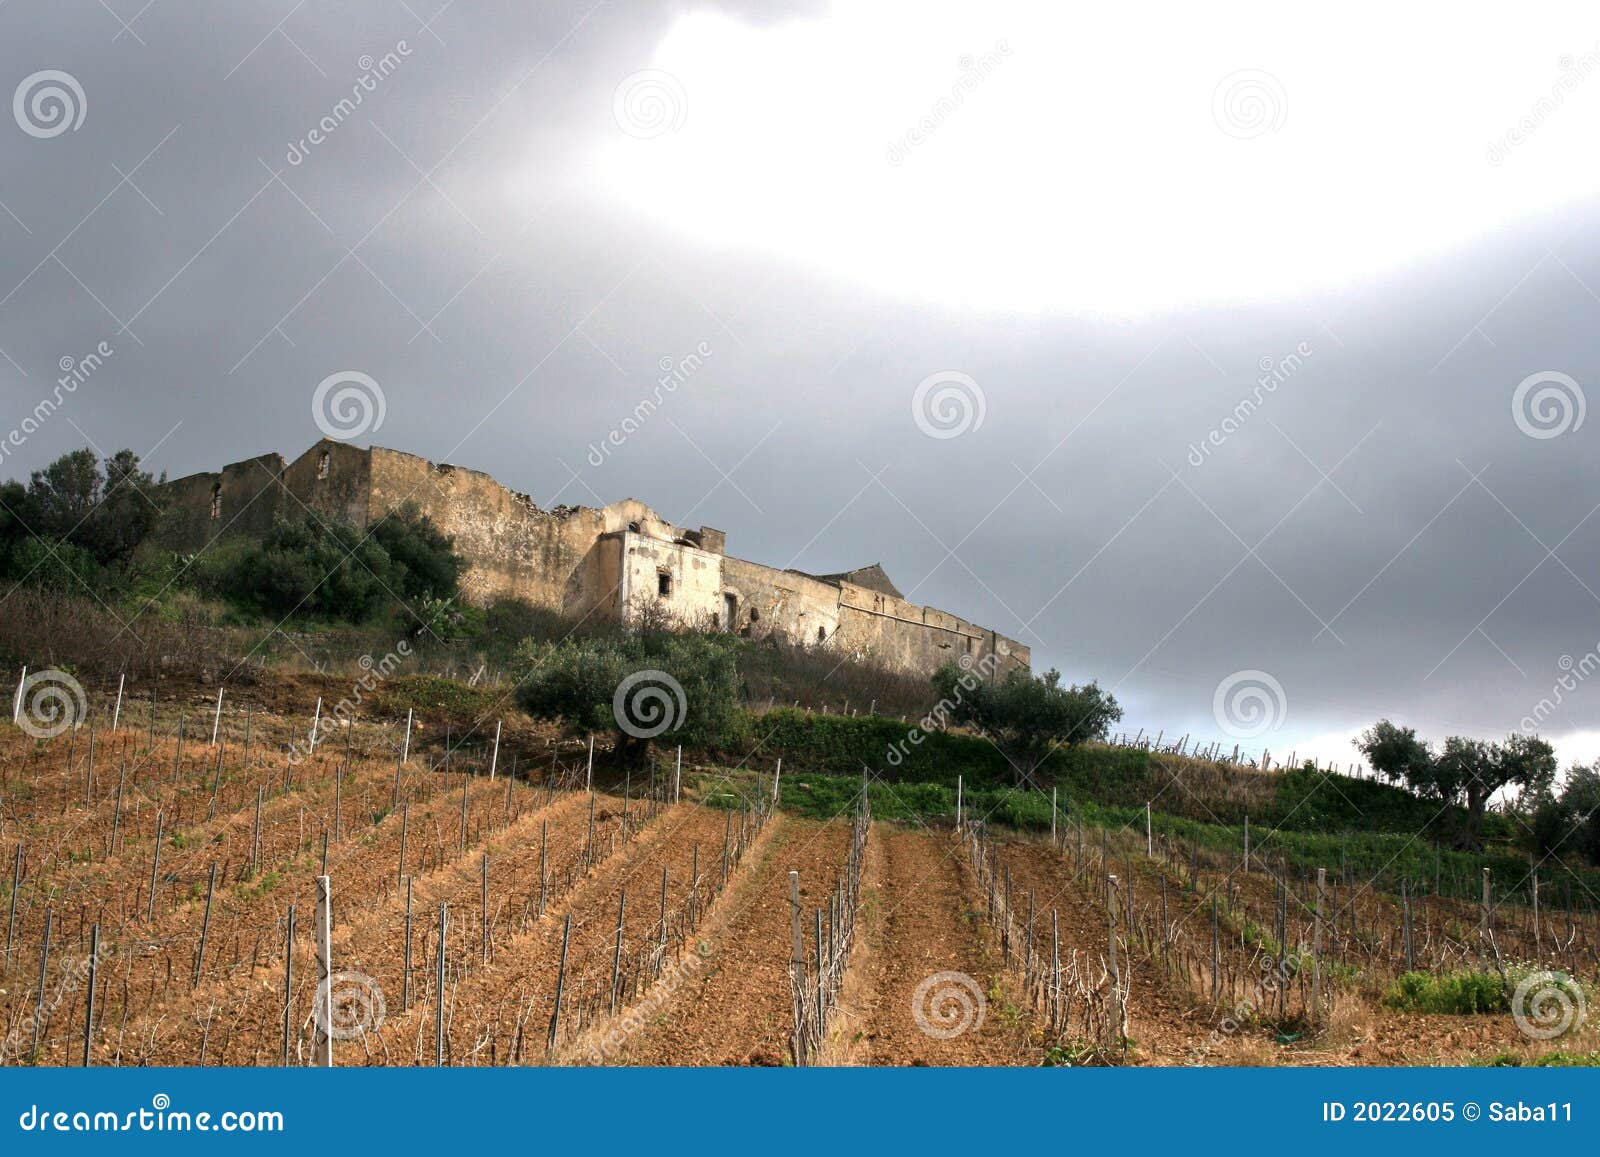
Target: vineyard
194 880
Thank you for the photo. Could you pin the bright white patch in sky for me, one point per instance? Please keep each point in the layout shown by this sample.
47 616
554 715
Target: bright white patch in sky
1112 158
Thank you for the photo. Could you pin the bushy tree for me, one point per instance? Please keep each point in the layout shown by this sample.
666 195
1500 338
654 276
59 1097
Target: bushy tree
639 686
1465 772
427 566
331 569
77 520
1026 717
1568 822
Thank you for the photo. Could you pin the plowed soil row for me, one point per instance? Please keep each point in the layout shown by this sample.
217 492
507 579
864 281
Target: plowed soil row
1166 1029
82 879
924 964
374 943
114 892
244 1008
247 923
737 1008
501 1014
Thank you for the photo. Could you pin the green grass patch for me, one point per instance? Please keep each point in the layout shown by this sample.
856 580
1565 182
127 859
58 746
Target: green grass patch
1449 993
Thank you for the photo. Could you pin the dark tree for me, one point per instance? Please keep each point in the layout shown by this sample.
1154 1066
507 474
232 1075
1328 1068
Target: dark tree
1027 718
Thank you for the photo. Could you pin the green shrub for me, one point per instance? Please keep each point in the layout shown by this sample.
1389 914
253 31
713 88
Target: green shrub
1450 993
638 686
330 569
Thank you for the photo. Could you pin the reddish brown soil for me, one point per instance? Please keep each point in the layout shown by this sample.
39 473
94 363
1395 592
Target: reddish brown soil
920 917
501 1013
737 1010
1164 1028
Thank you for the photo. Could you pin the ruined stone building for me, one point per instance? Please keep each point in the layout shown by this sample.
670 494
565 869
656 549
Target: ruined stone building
610 562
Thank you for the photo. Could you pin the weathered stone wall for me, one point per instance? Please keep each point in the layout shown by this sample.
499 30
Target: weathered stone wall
602 562
695 597
513 548
787 605
331 480
250 500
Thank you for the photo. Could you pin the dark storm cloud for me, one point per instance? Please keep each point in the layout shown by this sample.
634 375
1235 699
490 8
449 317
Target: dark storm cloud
1373 529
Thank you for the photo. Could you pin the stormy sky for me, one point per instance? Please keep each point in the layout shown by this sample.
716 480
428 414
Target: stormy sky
1209 354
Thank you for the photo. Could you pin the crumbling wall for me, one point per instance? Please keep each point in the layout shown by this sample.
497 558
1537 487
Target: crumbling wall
781 604
584 561
693 578
245 497
513 549
332 481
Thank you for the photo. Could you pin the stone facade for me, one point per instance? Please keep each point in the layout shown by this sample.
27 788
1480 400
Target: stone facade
610 562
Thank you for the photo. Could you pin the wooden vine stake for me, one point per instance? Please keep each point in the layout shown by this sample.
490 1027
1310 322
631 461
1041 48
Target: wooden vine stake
1316 951
438 1025
322 1041
561 982
88 1015
288 983
797 965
